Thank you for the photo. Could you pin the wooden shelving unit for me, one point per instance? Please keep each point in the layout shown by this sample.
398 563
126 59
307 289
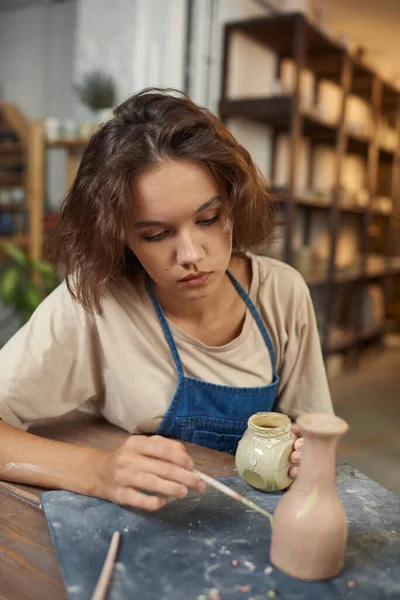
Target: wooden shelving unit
29 146
292 36
14 170
72 149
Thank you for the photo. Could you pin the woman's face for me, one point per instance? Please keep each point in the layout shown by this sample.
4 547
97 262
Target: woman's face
181 233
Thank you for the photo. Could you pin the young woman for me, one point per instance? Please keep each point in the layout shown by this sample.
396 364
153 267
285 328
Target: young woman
167 321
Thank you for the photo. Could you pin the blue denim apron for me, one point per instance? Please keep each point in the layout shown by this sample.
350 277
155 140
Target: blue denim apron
208 414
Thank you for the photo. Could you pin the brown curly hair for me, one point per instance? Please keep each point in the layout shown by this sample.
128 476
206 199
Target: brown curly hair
151 126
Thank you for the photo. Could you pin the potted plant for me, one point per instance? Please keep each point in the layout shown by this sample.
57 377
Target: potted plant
98 92
26 282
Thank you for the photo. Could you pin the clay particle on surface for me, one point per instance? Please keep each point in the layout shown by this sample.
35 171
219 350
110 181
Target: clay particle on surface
351 584
126 529
268 570
272 594
249 565
175 552
243 588
234 563
214 594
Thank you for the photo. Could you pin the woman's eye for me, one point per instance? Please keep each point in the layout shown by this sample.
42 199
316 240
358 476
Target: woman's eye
155 238
209 221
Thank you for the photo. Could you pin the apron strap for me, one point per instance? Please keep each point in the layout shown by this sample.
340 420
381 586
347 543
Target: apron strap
166 329
169 337
256 315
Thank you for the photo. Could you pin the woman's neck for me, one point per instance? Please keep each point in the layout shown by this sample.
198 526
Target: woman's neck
213 307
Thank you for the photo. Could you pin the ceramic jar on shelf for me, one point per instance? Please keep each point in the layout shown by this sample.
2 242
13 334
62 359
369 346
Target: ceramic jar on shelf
262 456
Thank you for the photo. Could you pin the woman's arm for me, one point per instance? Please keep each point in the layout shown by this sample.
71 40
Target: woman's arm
155 465
51 367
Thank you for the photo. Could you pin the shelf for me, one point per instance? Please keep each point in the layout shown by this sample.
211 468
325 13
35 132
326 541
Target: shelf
308 46
312 203
17 240
11 179
394 266
278 32
386 155
357 144
390 97
377 212
319 130
11 148
340 340
320 204
72 143
275 111
353 274
354 210
348 339
316 280
363 76
14 207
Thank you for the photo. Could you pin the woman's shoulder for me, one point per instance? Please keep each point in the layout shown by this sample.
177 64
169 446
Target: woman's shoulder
276 278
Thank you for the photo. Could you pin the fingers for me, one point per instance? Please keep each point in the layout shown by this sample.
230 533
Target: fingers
170 472
127 496
165 462
295 457
296 430
158 476
162 448
298 445
152 483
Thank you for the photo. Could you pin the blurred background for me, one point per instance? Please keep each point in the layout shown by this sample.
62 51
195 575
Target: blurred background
310 87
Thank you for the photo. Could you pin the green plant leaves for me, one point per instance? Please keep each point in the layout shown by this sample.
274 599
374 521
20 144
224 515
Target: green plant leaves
97 90
25 284
9 285
42 267
32 297
16 254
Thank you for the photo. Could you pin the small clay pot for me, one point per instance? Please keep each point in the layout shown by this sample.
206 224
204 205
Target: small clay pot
262 456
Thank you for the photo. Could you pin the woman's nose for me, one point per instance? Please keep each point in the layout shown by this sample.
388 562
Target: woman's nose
189 251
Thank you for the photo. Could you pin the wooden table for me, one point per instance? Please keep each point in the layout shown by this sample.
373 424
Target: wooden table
28 565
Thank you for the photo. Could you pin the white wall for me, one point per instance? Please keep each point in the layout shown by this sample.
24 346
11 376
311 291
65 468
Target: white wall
140 43
36 70
22 58
36 73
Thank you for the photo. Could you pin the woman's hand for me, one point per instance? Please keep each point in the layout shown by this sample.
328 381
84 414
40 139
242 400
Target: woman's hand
296 455
144 471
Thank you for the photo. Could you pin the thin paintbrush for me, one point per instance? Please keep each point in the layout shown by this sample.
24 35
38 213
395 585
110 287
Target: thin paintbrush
232 494
104 580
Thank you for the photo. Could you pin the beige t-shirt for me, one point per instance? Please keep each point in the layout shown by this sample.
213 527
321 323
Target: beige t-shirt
65 356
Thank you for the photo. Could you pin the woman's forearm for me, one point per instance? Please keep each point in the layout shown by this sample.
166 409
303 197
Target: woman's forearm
30 459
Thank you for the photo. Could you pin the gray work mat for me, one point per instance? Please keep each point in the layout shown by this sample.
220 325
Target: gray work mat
185 551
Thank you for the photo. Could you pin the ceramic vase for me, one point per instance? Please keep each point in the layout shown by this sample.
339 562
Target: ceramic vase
262 456
310 525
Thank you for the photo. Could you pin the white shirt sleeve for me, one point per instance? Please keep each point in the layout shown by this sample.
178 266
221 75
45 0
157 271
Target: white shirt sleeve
304 385
50 366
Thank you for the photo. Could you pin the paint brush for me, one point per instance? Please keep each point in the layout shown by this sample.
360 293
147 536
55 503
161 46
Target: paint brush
232 494
105 576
